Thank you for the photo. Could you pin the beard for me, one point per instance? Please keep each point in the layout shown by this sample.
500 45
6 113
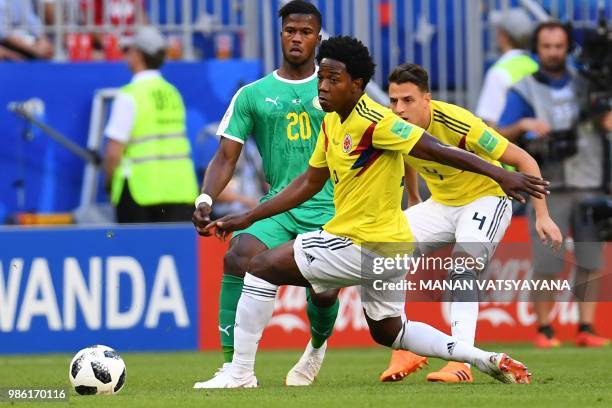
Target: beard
555 67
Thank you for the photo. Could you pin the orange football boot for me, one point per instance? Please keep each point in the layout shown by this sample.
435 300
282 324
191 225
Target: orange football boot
586 339
543 342
402 363
452 372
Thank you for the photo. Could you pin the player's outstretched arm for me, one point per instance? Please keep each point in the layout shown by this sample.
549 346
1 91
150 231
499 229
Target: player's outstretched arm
513 184
218 174
546 228
300 190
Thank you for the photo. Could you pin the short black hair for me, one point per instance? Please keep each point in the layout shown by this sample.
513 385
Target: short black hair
300 7
550 25
413 73
154 61
352 53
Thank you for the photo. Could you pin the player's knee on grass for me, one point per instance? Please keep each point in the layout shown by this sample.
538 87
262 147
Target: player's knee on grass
324 299
385 331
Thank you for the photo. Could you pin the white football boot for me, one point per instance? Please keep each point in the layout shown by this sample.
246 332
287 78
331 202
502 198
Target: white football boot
224 379
221 369
306 369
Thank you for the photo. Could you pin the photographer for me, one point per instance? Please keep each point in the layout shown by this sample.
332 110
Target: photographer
543 112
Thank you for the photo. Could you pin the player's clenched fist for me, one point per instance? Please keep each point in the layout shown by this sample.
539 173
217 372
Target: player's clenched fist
201 218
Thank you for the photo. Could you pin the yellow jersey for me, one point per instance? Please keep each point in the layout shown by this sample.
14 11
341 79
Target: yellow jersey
364 157
458 127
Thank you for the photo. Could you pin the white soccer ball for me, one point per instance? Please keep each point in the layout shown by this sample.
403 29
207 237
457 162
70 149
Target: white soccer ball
97 370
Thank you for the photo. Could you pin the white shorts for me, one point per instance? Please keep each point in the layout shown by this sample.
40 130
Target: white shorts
330 262
480 225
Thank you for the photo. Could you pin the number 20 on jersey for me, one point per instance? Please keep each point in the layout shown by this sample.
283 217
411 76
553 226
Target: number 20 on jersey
302 122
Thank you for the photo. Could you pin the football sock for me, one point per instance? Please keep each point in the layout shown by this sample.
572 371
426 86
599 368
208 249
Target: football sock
424 340
464 308
231 288
322 321
547 331
585 327
254 311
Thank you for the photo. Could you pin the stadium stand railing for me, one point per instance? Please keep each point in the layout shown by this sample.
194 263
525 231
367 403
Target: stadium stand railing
200 28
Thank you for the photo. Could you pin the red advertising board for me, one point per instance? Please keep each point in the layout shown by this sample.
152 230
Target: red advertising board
514 321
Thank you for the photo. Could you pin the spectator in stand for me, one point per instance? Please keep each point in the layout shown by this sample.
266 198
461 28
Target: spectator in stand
46 10
107 20
98 12
21 32
7 54
123 16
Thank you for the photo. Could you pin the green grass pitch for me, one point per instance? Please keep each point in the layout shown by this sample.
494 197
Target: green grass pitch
563 377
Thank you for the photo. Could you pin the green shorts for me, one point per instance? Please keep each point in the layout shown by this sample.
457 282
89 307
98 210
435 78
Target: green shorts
284 227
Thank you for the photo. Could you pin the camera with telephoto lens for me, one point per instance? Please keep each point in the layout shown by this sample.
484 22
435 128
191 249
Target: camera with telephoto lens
559 145
595 67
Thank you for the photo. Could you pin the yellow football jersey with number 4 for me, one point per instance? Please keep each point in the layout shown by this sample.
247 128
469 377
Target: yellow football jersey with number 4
458 127
364 155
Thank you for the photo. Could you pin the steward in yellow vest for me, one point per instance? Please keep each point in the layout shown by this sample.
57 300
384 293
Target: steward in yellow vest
148 165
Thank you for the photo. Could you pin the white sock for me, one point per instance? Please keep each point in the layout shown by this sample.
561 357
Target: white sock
424 340
464 317
253 313
464 308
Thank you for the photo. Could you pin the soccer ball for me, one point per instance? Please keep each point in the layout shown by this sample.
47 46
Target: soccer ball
97 370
